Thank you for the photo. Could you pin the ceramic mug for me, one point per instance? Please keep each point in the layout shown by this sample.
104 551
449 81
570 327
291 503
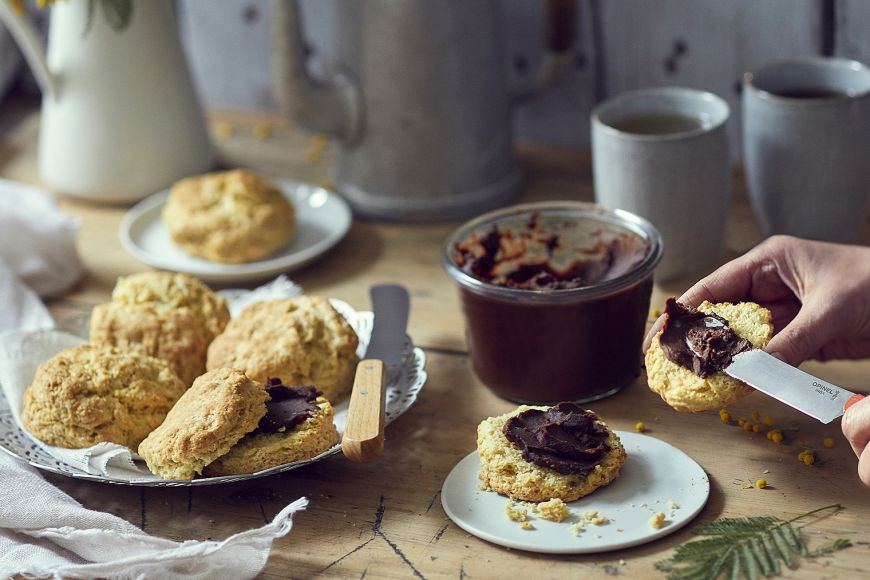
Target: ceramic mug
662 153
806 146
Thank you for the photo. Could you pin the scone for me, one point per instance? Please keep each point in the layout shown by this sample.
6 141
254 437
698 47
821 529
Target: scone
684 390
297 425
521 461
230 217
301 341
90 394
212 416
171 316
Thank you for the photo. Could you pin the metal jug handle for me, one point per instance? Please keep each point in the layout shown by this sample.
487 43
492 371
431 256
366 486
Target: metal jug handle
560 36
334 107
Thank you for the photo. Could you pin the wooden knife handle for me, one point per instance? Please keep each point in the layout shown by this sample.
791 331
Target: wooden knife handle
852 400
363 438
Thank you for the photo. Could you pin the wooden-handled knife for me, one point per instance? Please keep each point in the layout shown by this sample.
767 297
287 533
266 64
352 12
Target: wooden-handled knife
363 437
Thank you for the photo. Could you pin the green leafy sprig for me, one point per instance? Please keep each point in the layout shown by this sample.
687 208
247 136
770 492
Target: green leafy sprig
745 547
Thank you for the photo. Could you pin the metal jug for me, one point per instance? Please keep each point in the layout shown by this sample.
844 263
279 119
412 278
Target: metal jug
419 100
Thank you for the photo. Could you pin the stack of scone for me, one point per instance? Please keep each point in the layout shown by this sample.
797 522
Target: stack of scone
273 373
230 217
228 424
541 453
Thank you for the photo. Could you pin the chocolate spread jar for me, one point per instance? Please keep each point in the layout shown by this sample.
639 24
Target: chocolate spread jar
556 297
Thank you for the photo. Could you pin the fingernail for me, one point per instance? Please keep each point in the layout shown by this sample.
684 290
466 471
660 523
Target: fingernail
778 355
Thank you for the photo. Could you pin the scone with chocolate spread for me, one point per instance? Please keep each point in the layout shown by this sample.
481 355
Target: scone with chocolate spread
297 425
301 341
684 361
170 316
213 415
541 453
230 217
91 394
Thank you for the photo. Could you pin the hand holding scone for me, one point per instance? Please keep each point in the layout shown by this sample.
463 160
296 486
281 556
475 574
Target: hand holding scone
818 294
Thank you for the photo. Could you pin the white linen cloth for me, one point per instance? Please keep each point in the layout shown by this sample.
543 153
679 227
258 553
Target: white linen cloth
44 532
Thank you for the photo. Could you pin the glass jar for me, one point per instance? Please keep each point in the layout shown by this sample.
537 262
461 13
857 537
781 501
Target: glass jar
539 338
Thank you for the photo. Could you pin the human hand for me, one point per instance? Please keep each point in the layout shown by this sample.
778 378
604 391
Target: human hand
817 292
856 428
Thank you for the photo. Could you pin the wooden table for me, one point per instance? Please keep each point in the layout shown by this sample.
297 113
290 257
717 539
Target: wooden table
384 519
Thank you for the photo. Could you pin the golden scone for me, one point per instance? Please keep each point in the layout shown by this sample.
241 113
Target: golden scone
166 290
258 451
302 341
504 470
218 410
90 393
230 217
681 388
171 316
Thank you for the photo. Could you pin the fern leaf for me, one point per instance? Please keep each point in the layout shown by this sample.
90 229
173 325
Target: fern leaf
785 550
828 549
770 548
759 552
743 547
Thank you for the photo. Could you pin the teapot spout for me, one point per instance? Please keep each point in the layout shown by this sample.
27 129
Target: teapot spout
333 107
29 42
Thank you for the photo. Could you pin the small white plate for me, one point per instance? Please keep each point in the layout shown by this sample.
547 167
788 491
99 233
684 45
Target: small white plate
322 220
654 475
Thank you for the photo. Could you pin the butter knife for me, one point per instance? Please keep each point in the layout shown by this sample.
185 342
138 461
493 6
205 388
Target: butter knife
363 438
792 386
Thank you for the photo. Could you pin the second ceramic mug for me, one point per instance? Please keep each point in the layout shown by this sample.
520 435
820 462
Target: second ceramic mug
806 146
662 153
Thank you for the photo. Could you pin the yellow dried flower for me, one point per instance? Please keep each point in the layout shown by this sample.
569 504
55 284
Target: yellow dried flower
760 483
640 427
747 426
828 442
756 416
768 421
655 313
775 435
807 457
756 428
725 416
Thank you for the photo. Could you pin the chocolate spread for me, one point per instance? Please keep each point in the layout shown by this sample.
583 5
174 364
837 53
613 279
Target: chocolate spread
564 438
702 343
533 258
288 407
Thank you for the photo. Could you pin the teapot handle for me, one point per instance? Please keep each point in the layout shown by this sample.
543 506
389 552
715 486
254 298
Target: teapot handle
560 33
331 106
29 42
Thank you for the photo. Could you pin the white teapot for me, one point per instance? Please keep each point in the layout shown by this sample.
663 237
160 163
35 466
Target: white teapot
120 119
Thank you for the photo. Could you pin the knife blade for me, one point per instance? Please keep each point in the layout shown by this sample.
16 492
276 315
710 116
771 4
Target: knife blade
363 437
794 387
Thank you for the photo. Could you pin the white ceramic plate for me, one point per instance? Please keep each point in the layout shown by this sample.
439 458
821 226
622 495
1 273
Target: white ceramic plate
322 220
654 475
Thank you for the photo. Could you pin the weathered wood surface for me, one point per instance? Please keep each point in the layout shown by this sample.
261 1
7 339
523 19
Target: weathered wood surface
384 519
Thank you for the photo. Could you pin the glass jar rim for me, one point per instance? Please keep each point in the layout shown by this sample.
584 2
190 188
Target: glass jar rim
622 218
